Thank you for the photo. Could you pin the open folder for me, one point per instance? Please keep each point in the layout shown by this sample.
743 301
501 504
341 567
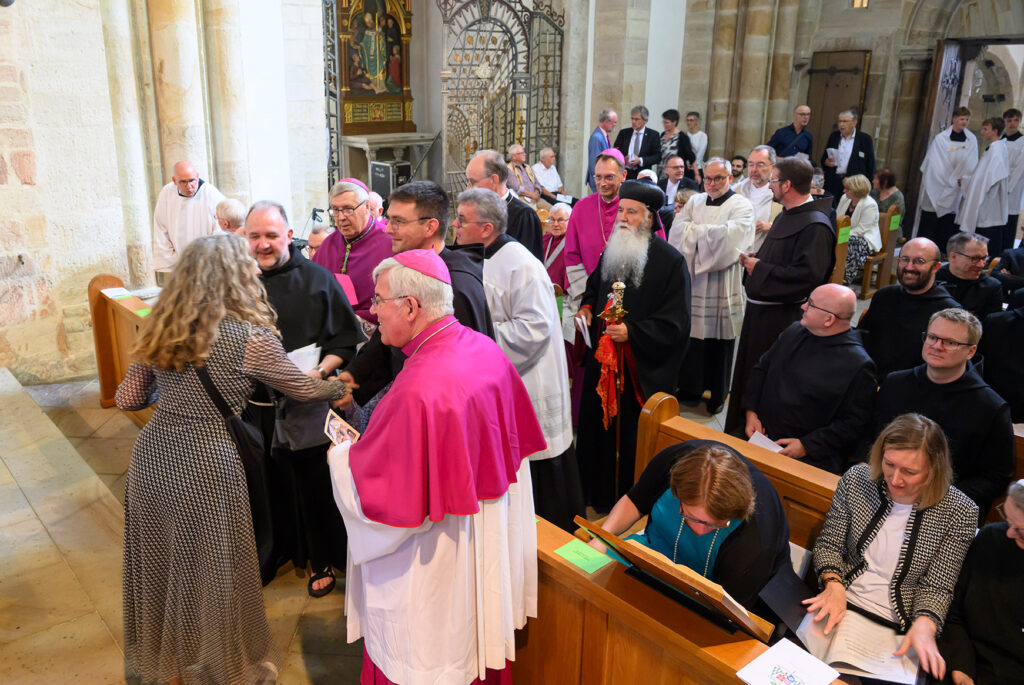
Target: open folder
682 579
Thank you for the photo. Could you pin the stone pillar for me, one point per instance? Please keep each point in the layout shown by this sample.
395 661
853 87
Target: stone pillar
174 42
127 122
750 84
781 98
226 92
576 119
722 62
905 134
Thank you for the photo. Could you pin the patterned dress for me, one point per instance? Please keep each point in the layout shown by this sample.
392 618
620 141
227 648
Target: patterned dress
193 603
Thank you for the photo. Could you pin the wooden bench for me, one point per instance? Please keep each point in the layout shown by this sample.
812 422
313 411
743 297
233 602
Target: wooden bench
842 249
888 227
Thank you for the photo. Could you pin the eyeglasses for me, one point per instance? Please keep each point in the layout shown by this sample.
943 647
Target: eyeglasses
471 182
822 309
944 342
606 178
760 165
703 523
715 179
395 221
345 211
775 180
973 259
376 300
1016 529
916 261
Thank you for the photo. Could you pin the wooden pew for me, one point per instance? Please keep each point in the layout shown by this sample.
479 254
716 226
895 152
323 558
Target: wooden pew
883 259
842 248
115 327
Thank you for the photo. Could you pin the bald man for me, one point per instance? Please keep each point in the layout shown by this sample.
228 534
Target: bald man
812 392
186 209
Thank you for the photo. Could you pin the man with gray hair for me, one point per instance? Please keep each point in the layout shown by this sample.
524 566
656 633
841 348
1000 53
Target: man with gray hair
528 330
599 142
436 494
640 146
487 169
757 189
964 276
520 177
185 210
548 180
848 152
231 216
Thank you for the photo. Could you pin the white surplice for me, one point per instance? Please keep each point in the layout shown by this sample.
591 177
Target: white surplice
946 161
529 332
984 202
439 604
761 199
178 220
711 239
1015 183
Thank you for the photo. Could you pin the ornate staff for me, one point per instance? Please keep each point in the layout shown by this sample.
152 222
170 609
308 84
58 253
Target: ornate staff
613 314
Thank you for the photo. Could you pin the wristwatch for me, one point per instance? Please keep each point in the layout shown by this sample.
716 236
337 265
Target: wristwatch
323 374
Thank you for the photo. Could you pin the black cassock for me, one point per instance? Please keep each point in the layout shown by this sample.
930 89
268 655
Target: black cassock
981 296
524 225
658 322
796 257
1004 363
819 389
294 515
894 322
974 418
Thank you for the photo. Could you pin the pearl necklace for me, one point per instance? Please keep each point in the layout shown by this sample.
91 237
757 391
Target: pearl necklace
675 548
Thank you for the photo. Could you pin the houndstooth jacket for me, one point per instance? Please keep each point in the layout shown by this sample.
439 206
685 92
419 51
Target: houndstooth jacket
930 557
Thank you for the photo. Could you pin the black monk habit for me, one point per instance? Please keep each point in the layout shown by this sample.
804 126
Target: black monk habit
819 389
658 321
1004 361
377 364
524 225
796 257
894 322
980 296
974 418
298 517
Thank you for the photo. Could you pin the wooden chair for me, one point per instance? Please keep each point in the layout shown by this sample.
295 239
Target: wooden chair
543 214
888 226
992 266
842 247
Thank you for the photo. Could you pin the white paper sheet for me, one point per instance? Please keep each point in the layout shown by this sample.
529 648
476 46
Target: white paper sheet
860 646
115 293
584 330
306 358
762 440
786 662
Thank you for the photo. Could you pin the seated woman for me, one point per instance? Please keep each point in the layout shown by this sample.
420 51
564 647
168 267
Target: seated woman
712 510
901 500
983 642
865 238
887 195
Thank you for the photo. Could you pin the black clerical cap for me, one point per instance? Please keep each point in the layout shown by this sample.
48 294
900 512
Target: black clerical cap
650 195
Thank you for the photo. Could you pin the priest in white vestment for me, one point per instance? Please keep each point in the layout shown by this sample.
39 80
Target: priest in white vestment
528 330
436 495
755 187
186 209
984 208
1015 183
950 160
711 231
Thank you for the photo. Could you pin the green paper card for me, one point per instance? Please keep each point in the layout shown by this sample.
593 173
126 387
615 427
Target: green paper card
143 312
558 301
583 555
894 222
844 235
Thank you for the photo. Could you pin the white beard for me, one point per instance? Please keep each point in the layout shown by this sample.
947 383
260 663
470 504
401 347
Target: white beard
625 256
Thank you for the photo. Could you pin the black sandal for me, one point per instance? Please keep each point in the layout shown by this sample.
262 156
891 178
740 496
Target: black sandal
326 573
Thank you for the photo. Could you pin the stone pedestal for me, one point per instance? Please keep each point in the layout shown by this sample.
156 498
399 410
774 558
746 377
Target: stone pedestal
358 151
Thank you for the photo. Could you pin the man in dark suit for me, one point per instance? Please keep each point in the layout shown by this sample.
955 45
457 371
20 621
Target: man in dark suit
639 145
599 142
854 154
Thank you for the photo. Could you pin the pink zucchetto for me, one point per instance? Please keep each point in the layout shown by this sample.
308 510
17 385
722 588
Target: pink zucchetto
426 262
617 154
355 181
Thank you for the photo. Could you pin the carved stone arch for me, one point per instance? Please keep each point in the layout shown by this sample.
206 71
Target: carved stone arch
932 20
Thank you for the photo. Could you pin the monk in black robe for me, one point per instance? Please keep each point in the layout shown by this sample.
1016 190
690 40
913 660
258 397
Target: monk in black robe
813 390
653 337
1004 364
797 256
964 276
899 313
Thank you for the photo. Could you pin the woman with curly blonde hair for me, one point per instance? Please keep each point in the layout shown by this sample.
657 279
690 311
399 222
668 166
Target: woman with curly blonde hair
193 604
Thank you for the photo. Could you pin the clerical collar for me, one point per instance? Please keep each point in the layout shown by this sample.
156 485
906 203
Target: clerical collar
499 242
958 137
721 200
508 196
189 197
411 347
1014 136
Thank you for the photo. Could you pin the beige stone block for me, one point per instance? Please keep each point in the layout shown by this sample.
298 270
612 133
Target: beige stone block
311 669
107 455
80 422
87 651
322 627
3 171
285 599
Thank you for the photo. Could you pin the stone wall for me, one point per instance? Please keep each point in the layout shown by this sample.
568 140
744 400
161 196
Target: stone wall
62 217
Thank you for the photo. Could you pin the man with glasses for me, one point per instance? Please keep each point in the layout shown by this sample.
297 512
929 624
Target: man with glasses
795 138
711 231
812 392
797 256
487 169
757 189
640 146
186 209
674 180
965 279
949 390
899 313
357 246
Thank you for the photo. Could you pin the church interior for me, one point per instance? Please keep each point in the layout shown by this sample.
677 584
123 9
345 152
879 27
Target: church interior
279 100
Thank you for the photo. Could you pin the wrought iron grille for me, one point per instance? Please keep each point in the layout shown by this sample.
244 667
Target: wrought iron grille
331 94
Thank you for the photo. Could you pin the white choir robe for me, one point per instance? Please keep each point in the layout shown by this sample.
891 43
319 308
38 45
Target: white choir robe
711 239
178 220
984 203
761 199
528 330
1015 182
946 161
439 604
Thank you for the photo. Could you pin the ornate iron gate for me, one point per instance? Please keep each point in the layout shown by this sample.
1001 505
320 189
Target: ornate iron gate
331 92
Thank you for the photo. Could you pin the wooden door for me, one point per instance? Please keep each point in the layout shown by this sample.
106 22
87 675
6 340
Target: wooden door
838 81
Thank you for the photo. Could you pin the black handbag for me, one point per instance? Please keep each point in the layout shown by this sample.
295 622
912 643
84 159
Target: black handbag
247 438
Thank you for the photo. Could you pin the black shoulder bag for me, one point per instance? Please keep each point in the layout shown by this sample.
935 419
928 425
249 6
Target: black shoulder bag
247 437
